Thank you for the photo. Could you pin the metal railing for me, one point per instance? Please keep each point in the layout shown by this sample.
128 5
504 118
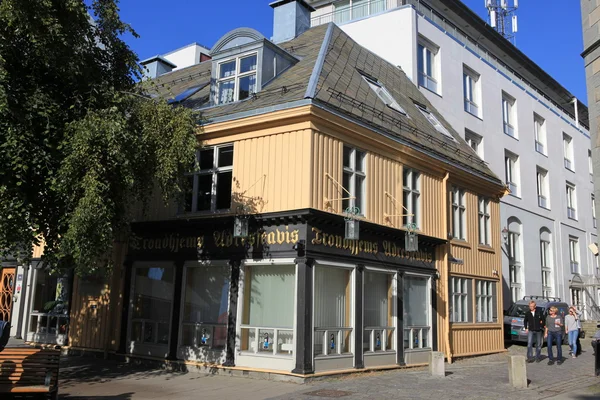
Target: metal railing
343 14
200 334
332 341
268 340
379 338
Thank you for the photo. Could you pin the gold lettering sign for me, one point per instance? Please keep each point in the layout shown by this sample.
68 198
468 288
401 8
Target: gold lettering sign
390 249
172 243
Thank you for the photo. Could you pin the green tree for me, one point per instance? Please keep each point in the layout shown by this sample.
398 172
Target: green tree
81 146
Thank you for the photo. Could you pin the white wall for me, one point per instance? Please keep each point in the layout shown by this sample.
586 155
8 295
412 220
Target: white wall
185 56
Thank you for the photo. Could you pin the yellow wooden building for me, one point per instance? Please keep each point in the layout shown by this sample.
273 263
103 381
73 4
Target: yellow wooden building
331 158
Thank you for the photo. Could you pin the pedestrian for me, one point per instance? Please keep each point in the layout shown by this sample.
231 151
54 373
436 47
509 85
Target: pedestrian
572 330
553 331
534 327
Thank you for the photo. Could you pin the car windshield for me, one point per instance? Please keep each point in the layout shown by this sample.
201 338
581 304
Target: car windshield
519 310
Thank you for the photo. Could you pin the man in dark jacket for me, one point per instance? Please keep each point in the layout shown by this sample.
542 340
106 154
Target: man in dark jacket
533 322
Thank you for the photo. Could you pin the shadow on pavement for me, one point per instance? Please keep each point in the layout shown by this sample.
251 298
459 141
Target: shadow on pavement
124 396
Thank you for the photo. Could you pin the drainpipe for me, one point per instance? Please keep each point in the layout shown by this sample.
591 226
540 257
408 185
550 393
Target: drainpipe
447 264
576 108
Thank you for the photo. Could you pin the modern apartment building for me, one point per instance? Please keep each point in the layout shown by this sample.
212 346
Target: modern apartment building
528 128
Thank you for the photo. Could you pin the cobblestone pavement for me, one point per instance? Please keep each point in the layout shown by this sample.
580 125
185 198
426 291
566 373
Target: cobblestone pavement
483 377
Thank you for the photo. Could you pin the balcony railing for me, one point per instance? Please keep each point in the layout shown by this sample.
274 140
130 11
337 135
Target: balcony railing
343 14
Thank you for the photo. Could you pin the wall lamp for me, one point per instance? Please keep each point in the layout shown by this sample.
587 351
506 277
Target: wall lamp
505 235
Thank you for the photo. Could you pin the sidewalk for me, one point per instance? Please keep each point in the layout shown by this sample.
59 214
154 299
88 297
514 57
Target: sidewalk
473 378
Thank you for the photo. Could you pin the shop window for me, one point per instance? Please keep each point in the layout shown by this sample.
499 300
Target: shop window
417 325
209 188
333 311
269 310
206 295
485 301
378 312
461 306
152 302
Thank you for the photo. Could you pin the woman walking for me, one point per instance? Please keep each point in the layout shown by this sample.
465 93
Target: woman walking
572 330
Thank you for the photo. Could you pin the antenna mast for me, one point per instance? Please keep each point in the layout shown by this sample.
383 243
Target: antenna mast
502 17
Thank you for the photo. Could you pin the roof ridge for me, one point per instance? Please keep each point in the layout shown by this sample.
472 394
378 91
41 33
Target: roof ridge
316 72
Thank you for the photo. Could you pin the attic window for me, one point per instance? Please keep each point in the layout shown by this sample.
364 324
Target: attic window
236 79
433 120
186 94
382 92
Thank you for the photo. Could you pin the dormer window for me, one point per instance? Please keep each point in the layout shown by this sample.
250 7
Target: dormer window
237 78
382 92
433 120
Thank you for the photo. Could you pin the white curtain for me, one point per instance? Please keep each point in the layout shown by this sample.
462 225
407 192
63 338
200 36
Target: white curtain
272 294
376 298
330 297
206 294
416 301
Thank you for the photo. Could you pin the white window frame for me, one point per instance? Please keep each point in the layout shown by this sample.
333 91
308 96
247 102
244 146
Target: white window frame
383 94
214 171
471 91
574 255
515 266
511 169
461 299
434 121
428 65
236 77
485 233
459 219
484 301
571 194
413 194
539 129
546 265
357 191
593 198
475 142
509 115
590 163
568 152
542 188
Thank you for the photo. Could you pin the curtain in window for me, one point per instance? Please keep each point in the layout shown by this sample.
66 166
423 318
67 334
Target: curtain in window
206 294
331 301
416 304
376 298
272 294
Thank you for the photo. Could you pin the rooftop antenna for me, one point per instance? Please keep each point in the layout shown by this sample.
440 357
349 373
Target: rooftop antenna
502 17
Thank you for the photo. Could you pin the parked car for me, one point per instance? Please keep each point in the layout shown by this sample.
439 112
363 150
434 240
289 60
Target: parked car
513 317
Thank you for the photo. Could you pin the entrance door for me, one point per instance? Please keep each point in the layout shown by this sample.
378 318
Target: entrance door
7 282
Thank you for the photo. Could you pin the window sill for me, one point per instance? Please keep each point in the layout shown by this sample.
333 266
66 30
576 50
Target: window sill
431 91
486 248
540 153
460 243
573 219
545 208
474 115
512 137
569 169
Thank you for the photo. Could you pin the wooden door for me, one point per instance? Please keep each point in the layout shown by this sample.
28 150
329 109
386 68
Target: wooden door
7 284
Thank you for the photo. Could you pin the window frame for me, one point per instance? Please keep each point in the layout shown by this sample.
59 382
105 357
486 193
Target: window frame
593 198
383 94
461 300
475 142
590 163
511 171
515 264
471 92
355 175
236 77
214 172
434 121
509 126
568 152
546 265
539 130
571 194
542 188
408 191
485 301
483 210
428 65
574 256
459 212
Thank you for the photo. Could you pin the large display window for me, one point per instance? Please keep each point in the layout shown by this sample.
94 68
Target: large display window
378 312
417 312
151 308
268 320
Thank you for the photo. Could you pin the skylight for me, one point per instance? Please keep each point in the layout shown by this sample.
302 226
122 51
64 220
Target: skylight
382 93
186 93
433 120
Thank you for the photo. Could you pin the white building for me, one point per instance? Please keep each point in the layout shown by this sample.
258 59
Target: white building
515 116
182 57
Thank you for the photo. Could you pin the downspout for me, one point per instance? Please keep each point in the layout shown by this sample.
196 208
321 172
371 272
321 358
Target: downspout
446 274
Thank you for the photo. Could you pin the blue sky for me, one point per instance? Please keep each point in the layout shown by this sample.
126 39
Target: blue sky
549 31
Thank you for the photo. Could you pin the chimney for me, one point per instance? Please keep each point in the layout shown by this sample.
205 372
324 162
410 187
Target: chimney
291 18
157 66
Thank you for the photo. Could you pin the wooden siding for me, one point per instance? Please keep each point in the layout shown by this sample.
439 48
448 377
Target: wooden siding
384 191
432 203
473 339
327 158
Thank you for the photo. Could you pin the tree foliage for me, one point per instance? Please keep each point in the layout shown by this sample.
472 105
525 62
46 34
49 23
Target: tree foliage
81 147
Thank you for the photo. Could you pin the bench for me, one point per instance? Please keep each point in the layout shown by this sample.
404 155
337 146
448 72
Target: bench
26 370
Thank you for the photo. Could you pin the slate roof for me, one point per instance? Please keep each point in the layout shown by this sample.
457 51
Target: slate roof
328 76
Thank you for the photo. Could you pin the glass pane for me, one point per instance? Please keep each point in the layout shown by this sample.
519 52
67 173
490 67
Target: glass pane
272 293
360 161
265 343
207 159
415 181
219 337
359 192
152 299
204 192
227 69
247 86
285 343
136 331
416 305
224 181
225 156
332 299
148 332
163 333
206 294
377 289
347 155
187 335
248 64
346 183
226 91
188 197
